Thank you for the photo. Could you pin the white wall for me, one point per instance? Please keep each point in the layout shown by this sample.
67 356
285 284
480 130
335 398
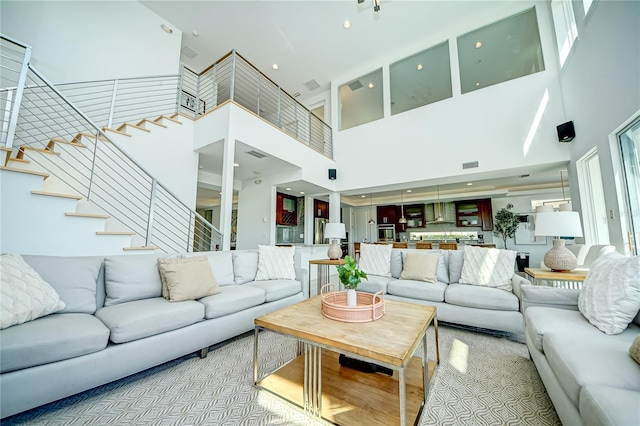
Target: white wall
601 90
92 40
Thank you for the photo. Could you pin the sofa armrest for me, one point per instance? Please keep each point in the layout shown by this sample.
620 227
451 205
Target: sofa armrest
302 275
516 282
536 295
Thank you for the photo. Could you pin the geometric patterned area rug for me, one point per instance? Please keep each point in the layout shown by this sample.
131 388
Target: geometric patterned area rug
482 380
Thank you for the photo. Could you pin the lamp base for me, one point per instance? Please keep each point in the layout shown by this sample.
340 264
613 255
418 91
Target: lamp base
334 252
560 258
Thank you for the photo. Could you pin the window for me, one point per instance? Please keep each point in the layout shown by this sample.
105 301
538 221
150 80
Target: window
594 209
564 22
500 52
361 100
629 140
420 79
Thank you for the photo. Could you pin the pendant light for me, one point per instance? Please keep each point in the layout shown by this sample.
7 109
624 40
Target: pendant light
402 219
371 220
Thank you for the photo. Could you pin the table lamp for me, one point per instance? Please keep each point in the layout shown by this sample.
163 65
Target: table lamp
334 232
559 224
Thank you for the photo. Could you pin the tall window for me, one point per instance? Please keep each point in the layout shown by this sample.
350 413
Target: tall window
361 100
564 22
629 140
594 209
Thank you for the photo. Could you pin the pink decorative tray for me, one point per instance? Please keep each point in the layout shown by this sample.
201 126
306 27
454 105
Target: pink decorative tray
370 307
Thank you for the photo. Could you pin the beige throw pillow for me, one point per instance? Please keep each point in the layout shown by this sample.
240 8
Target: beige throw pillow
634 350
186 278
420 267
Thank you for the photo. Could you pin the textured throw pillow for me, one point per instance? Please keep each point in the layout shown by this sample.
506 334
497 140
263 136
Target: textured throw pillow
634 350
420 267
488 267
375 259
187 278
610 294
24 295
275 263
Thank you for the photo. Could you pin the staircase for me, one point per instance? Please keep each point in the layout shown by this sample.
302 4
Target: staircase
67 188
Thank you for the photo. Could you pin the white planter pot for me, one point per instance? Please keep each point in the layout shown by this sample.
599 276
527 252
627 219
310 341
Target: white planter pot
351 297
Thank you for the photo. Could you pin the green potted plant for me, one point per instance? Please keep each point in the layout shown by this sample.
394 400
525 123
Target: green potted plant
505 224
350 276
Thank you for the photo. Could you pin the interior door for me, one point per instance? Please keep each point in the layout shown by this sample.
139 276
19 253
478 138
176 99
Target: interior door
629 140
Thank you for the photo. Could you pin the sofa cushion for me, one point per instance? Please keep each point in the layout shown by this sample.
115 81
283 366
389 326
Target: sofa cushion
607 405
132 277
396 262
420 266
375 283
221 263
596 359
541 320
143 318
50 339
488 267
634 350
187 278
481 297
275 263
245 266
610 294
277 289
232 299
456 260
75 279
24 295
433 292
375 259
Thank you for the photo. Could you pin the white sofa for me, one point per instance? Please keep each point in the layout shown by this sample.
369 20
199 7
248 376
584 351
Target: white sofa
117 323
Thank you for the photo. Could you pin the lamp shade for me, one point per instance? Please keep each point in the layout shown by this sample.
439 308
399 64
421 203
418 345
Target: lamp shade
334 230
558 224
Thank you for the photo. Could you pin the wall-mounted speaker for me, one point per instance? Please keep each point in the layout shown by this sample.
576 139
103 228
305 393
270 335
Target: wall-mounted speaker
332 174
566 132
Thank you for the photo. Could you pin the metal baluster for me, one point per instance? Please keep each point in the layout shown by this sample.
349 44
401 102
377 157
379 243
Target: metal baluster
152 202
113 103
18 100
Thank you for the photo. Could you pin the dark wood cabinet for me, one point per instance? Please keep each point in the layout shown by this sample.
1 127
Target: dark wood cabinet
286 209
386 215
320 209
475 214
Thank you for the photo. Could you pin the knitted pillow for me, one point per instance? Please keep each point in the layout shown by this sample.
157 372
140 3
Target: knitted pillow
488 267
275 263
375 259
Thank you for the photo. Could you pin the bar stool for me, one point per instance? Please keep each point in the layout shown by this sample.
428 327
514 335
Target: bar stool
422 245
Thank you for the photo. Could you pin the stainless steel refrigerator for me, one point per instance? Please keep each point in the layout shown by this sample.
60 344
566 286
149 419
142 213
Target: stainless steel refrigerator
318 230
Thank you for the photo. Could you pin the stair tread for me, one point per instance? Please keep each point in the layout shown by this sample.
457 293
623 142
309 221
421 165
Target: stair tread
57 194
152 122
106 129
115 233
60 140
135 126
29 172
89 215
19 160
89 135
171 119
4 148
141 248
42 150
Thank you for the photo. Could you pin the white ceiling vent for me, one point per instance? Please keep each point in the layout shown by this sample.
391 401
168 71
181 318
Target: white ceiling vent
188 52
311 85
470 165
256 154
355 85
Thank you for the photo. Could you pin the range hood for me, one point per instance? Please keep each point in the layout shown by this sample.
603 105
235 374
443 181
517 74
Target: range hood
440 215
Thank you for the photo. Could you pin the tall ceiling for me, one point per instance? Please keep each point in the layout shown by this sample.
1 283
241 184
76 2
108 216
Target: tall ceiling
308 42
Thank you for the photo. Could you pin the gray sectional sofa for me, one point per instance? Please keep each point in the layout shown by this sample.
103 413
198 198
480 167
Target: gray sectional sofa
589 375
469 305
117 323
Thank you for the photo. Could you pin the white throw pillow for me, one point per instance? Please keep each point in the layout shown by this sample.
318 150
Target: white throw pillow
375 259
488 267
610 294
275 263
420 267
24 295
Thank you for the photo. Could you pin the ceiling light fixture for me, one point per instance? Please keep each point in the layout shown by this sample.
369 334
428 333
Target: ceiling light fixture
287 189
236 165
402 219
195 33
346 25
301 192
477 83
371 86
372 221
166 29
470 184
408 190
419 67
363 196
478 44
275 66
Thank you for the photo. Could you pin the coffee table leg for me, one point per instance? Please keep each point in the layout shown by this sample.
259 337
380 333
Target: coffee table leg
403 391
426 379
435 327
312 386
255 357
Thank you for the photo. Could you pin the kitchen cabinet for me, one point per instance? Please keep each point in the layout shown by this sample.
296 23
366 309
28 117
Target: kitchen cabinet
386 215
475 213
286 209
320 209
414 213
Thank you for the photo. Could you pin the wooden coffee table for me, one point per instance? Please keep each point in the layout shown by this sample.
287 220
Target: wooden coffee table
315 381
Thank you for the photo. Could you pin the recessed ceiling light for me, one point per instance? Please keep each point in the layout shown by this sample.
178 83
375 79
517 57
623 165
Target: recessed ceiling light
201 167
275 66
301 192
236 165
408 190
478 44
195 33
419 67
166 29
288 189
346 24
470 184
371 86
220 193
477 83
363 196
